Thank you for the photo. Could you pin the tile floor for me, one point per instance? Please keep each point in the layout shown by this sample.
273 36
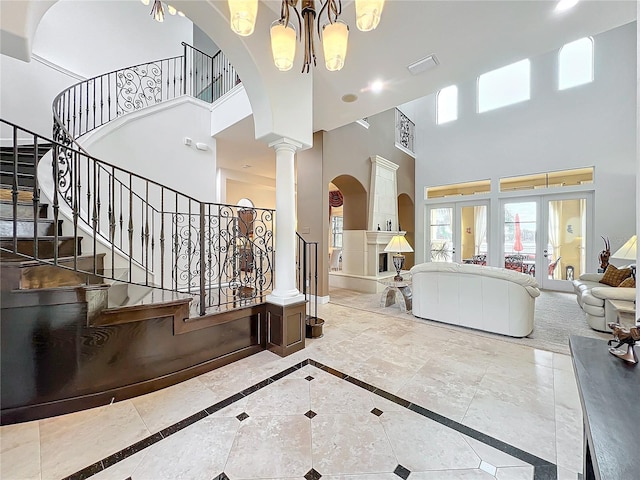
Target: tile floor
310 422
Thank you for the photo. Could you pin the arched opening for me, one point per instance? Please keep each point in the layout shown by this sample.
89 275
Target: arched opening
406 219
347 213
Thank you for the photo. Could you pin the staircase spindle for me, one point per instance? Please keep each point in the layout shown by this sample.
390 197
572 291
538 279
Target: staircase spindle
14 190
175 246
36 197
94 104
184 71
75 208
130 227
202 264
112 219
209 254
146 232
162 237
121 219
56 203
94 218
189 246
89 194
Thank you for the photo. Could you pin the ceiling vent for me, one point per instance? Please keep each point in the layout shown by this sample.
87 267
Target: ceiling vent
423 65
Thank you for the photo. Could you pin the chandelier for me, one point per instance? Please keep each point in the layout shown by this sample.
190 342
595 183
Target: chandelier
334 34
157 10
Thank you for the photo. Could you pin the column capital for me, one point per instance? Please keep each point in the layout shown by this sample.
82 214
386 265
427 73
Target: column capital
285 143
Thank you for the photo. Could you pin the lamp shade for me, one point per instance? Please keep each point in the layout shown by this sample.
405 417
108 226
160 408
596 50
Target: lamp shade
398 244
242 16
368 14
335 37
627 251
283 45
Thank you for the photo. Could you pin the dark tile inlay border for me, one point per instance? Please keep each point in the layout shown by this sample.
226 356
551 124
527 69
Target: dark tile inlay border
308 378
543 470
377 412
310 414
242 416
312 475
402 472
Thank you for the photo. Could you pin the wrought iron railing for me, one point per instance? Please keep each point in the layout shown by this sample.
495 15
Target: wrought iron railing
221 254
307 274
405 132
92 103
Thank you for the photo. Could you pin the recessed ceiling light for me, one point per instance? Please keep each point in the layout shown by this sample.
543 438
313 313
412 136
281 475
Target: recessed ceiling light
377 86
349 98
246 165
564 5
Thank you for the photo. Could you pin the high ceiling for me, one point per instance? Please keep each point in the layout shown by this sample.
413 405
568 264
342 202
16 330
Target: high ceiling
468 38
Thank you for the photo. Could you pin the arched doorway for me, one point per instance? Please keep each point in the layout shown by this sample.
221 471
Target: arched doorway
347 212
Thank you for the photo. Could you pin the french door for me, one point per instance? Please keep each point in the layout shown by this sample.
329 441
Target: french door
546 237
458 232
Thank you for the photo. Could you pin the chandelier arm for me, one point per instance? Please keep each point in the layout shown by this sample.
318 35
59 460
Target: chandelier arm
299 24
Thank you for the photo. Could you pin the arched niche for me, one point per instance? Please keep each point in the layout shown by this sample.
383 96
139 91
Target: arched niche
354 209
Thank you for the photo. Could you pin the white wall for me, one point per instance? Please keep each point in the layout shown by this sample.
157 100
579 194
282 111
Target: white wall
590 125
95 37
151 143
83 39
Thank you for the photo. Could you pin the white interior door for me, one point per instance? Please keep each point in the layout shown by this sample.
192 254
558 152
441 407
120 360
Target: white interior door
471 230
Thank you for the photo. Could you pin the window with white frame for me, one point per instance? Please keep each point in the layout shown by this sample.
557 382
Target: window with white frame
336 231
447 105
575 63
504 86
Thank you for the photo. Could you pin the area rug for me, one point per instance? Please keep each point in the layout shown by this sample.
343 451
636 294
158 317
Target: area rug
557 316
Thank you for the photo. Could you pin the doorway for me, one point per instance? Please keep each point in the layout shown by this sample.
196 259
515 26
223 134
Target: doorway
458 232
546 237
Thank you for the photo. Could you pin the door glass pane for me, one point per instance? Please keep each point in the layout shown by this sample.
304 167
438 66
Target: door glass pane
441 228
473 232
566 243
520 236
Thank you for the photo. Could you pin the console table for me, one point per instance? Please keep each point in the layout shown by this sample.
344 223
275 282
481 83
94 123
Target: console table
609 391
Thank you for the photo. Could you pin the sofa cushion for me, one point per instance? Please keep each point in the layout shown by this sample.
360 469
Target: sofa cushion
588 299
593 310
614 276
628 283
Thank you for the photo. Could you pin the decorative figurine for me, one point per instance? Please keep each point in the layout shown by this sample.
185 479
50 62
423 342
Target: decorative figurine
624 336
605 254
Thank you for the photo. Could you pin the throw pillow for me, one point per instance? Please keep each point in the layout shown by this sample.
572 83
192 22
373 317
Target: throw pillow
613 276
628 283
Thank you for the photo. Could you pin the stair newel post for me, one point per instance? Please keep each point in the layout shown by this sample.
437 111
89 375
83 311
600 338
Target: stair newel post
315 286
130 229
112 220
203 269
146 232
162 237
36 197
14 190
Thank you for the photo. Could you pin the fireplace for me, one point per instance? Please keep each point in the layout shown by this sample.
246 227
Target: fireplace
383 259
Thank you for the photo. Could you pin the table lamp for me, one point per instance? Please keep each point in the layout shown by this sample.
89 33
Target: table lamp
398 244
628 251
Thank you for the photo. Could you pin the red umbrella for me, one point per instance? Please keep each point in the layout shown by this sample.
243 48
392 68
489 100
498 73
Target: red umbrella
517 244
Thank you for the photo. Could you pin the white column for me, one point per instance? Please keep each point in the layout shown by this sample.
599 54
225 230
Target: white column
285 291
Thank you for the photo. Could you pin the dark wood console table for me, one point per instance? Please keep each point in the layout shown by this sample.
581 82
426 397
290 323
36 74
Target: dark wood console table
610 396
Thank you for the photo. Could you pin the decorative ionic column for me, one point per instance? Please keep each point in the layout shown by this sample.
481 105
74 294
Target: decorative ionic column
286 306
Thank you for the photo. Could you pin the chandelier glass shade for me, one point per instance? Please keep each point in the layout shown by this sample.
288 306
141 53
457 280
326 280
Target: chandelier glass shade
334 34
368 14
283 45
334 41
242 16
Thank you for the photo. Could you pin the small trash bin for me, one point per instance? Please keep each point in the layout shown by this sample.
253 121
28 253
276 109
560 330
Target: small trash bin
569 272
314 327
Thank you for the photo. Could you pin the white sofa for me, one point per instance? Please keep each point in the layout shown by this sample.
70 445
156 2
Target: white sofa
485 298
592 295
